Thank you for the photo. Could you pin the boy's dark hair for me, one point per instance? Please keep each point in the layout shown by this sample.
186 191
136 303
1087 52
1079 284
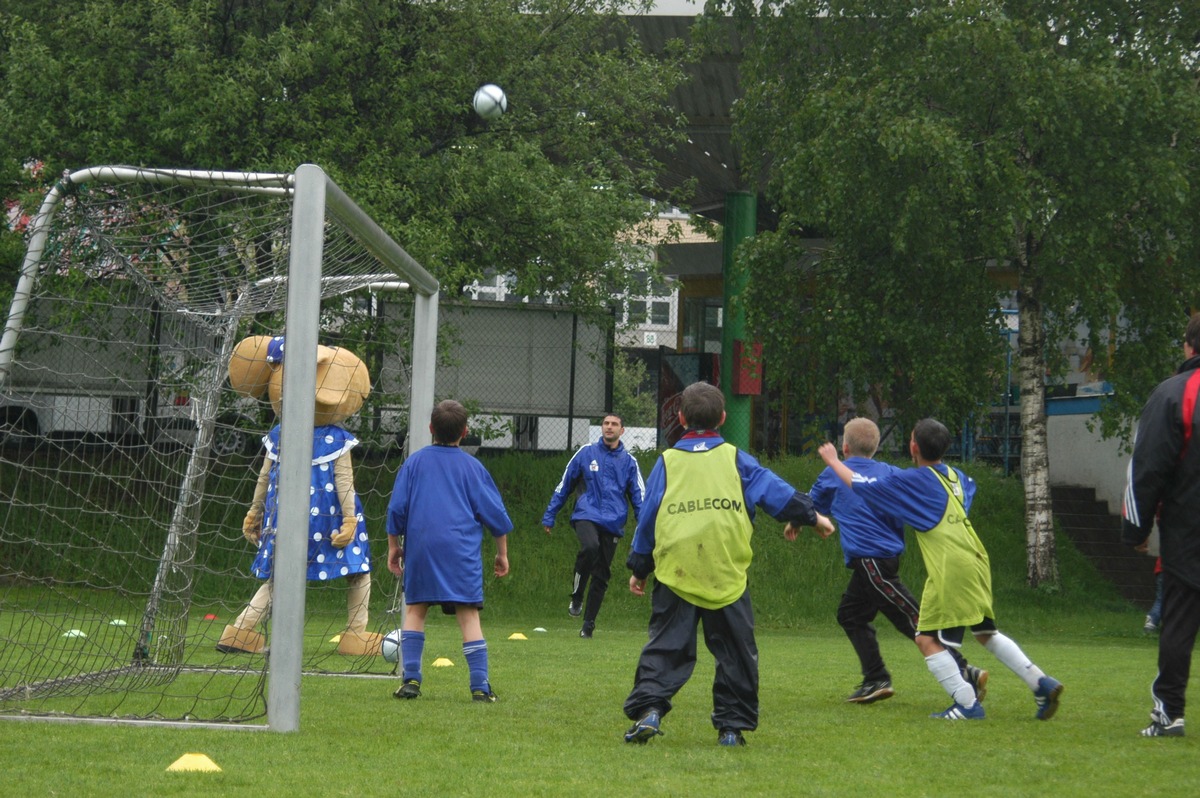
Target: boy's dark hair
1192 336
702 404
449 420
932 439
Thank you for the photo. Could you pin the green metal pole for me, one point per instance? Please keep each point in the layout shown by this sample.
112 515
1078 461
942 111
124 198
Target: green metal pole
741 215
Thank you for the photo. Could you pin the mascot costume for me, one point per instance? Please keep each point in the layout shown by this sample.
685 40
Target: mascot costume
337 534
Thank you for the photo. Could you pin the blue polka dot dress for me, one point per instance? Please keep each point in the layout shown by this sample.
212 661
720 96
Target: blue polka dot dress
325 562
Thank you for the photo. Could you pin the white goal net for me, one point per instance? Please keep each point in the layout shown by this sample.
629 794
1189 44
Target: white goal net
127 461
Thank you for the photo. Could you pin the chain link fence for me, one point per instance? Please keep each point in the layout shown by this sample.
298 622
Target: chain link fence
532 375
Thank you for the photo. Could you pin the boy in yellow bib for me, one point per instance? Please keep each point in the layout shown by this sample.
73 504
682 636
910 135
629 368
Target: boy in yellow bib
933 499
694 533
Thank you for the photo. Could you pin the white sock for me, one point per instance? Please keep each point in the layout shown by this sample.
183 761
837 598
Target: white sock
945 670
1012 657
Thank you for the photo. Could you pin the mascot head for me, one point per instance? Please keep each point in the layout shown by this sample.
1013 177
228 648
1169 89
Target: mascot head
343 383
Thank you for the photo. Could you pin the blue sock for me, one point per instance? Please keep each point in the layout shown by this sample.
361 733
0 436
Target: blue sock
412 648
475 652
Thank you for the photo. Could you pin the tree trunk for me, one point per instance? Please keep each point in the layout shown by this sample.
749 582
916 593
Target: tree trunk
1035 456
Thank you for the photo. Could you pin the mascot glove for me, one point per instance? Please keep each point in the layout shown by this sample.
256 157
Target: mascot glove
252 526
343 536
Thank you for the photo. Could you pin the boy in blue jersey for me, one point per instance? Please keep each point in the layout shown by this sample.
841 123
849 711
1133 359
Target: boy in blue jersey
694 535
442 501
872 543
604 474
933 499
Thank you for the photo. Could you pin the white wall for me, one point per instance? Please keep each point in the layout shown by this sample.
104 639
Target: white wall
635 438
1079 457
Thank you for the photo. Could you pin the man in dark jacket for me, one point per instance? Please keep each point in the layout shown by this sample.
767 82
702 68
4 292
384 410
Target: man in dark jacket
1164 482
604 475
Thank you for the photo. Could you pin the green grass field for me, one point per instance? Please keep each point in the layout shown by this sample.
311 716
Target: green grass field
557 727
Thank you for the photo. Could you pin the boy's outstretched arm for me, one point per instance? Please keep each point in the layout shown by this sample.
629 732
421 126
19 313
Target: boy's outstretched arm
823 527
829 454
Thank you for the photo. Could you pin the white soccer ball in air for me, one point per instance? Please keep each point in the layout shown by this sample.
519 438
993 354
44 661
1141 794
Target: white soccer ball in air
389 647
489 101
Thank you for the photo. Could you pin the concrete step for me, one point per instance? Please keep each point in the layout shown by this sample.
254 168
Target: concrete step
1097 534
1071 492
1091 527
1082 508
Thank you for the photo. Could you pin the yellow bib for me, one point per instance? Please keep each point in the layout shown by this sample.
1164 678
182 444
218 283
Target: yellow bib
702 530
958 590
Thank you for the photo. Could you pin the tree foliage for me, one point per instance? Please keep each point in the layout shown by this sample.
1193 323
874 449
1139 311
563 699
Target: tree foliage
951 154
377 92
933 148
633 399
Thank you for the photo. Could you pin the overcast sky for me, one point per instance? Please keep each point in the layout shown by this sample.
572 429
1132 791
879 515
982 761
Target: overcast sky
678 8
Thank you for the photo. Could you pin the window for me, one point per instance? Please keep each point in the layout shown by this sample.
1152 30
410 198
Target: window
636 310
660 313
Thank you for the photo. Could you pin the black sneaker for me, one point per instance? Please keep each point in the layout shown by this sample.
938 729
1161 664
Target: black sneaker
1164 727
483 696
730 738
978 679
588 628
410 689
575 608
872 691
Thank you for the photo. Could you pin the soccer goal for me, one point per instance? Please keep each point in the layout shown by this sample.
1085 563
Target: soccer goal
127 462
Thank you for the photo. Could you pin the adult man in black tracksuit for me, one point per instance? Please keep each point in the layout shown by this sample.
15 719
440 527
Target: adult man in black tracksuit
606 479
1164 482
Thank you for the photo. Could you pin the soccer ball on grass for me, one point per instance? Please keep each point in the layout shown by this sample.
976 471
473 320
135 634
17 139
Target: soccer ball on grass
389 647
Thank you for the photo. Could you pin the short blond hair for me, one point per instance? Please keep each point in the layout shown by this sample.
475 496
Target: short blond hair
861 436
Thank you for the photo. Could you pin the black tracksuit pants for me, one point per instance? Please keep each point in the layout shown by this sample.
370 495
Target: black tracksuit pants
593 567
669 658
1177 638
875 587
